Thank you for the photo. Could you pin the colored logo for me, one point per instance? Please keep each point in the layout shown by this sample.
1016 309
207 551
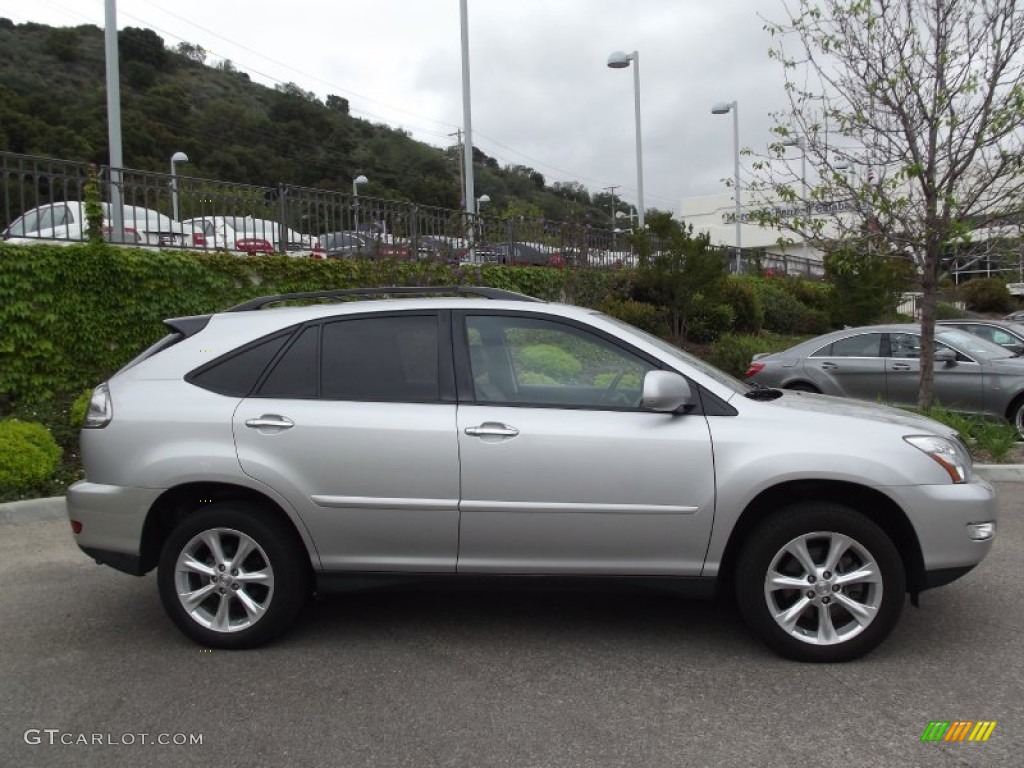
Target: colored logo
958 730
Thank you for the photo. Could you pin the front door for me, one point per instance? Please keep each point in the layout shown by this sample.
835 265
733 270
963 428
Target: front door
562 470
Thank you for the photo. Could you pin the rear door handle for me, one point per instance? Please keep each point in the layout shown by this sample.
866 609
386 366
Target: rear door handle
900 367
270 420
492 429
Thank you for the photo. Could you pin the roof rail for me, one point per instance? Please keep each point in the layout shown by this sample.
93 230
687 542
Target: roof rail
403 290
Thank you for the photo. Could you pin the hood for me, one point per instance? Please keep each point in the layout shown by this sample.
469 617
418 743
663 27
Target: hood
859 409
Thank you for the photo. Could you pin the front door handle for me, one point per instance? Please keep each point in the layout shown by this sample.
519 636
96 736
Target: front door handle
900 367
272 421
492 429
829 367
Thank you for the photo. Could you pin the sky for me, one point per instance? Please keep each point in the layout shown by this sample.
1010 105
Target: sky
541 92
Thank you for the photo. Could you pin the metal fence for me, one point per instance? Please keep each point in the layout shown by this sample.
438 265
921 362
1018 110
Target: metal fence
43 198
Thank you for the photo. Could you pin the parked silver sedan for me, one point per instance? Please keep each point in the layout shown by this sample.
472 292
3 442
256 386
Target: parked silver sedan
881 363
1007 334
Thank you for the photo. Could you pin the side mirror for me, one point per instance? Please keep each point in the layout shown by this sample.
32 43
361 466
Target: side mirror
945 355
667 392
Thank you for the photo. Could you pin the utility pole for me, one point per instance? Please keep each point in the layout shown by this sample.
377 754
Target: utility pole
612 190
462 170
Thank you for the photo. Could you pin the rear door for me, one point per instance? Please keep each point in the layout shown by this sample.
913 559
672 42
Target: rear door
355 425
850 367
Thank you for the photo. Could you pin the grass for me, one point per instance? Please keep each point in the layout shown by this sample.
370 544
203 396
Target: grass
985 438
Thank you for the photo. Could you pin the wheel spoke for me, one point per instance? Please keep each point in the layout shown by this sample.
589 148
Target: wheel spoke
265 577
836 549
189 563
192 600
245 547
220 621
788 618
212 540
798 549
777 580
866 574
826 629
862 613
252 608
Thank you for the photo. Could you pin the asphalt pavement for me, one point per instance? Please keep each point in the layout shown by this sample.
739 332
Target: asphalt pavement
93 674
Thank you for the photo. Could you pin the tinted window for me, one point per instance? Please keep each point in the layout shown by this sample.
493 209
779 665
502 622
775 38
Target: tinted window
538 362
294 374
862 345
237 375
381 358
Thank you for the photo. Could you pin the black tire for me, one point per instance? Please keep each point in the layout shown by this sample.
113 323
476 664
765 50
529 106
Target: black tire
1015 415
816 606
238 607
801 386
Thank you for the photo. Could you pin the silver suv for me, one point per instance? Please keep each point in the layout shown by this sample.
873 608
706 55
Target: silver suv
260 454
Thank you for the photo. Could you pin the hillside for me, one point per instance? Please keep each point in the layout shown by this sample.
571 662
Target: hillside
53 103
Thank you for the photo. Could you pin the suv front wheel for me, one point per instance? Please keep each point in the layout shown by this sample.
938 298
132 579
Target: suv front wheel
820 582
232 576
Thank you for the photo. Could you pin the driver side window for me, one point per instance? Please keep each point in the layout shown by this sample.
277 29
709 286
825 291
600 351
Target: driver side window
528 361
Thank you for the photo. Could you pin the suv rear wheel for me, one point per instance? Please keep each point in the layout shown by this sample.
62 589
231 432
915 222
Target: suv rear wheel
820 582
232 576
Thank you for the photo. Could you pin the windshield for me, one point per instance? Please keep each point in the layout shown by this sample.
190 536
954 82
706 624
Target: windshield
710 371
971 345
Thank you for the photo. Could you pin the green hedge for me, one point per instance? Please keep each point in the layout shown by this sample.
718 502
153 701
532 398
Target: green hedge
28 456
70 316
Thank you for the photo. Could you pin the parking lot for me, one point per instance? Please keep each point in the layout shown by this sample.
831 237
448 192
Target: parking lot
507 678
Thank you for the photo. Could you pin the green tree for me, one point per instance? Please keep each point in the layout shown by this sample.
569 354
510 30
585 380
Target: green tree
867 287
926 98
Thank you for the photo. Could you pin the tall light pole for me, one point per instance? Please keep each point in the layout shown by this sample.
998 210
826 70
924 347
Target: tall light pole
360 179
467 122
620 60
723 108
177 157
801 143
114 120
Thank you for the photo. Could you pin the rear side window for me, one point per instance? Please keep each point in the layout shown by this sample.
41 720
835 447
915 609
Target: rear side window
237 374
391 359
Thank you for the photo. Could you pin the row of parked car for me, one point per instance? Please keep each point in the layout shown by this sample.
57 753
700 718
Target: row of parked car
979 366
65 222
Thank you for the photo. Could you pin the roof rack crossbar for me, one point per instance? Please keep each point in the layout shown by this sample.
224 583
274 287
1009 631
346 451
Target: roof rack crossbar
396 290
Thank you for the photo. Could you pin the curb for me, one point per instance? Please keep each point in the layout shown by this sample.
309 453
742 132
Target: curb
33 510
54 508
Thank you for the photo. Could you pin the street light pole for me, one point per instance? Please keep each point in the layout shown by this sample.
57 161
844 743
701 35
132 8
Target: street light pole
360 179
467 121
720 109
114 120
801 143
620 60
177 157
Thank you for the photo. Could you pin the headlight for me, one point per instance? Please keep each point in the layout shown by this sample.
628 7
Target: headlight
951 455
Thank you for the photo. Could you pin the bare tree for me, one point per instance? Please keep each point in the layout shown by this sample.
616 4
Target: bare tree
924 101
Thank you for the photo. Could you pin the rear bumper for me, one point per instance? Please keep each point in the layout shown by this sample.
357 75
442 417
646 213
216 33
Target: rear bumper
112 519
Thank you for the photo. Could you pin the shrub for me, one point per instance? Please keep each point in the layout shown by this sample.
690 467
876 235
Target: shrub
551 362
706 321
783 312
645 316
733 353
28 455
986 294
76 416
748 311
946 311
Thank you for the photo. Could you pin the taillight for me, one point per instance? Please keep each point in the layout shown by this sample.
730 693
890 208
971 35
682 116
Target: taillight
198 239
253 245
101 409
754 369
76 527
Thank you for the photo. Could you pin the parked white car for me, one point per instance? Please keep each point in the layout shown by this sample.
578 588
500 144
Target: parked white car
65 222
247 234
